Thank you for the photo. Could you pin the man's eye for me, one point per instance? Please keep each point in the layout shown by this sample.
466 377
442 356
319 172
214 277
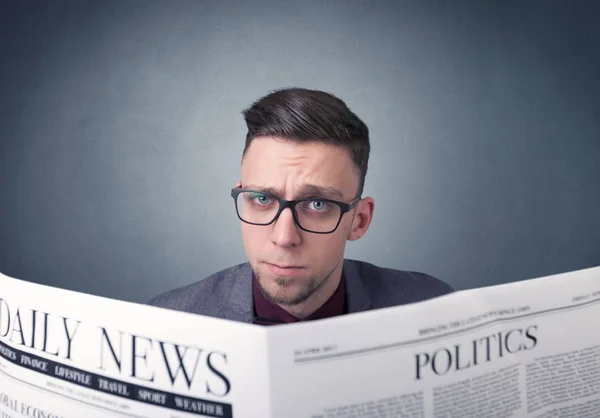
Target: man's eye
318 205
260 199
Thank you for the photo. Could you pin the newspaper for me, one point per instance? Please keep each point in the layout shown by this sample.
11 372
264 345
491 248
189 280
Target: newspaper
525 349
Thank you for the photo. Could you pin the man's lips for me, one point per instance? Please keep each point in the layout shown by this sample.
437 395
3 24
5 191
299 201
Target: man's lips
284 266
284 269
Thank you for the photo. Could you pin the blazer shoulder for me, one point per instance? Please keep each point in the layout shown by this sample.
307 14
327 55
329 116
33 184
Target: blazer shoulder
391 287
203 297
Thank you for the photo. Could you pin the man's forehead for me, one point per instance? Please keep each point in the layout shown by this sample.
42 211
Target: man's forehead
283 166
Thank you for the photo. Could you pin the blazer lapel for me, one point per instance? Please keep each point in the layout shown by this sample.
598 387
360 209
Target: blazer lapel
357 291
240 303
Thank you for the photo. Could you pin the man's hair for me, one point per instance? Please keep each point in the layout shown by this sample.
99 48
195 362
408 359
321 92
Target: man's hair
302 115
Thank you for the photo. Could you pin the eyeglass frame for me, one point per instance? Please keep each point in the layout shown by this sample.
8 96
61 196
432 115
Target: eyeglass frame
283 204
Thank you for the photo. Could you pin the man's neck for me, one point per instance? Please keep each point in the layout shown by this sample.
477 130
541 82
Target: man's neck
319 297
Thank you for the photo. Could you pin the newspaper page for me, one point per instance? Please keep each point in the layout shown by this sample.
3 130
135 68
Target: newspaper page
67 354
525 349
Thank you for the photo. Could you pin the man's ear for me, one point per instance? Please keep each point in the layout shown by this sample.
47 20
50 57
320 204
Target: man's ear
363 215
238 184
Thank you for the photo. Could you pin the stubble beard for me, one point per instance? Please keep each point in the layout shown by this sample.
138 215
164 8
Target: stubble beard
283 299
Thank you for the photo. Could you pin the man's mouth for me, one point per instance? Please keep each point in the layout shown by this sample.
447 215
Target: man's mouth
284 269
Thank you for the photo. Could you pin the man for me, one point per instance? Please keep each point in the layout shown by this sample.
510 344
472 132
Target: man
299 200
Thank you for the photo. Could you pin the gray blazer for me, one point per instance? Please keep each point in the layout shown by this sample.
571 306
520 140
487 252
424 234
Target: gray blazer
228 293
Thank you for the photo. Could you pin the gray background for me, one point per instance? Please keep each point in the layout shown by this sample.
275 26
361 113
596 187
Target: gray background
121 133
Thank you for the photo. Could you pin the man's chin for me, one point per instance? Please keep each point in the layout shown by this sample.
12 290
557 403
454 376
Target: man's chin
287 300
285 291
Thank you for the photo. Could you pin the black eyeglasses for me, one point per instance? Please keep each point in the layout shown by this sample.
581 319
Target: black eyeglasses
314 214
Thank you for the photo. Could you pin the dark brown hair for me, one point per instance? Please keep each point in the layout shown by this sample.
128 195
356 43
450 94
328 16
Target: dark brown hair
303 115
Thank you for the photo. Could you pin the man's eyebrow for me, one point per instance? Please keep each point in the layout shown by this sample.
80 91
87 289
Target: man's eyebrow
303 191
321 191
272 190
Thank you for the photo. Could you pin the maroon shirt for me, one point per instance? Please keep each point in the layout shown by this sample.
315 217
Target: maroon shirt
268 313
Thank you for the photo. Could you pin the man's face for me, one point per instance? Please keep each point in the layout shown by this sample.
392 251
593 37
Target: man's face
291 264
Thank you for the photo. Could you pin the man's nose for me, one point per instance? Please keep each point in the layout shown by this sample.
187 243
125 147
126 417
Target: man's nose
285 231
